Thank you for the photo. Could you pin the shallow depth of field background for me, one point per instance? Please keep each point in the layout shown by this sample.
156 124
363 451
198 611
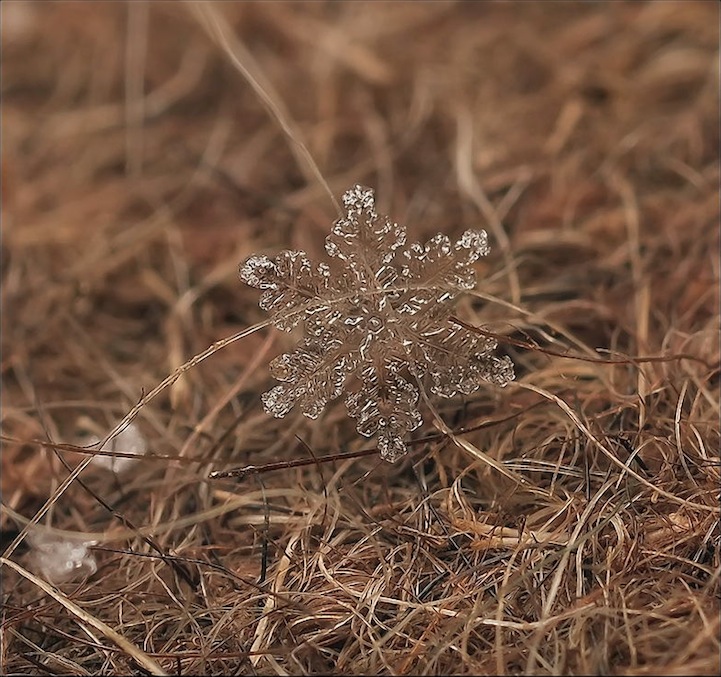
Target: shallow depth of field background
139 168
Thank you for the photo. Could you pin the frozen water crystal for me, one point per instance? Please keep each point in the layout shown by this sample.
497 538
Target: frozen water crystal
60 560
129 440
376 320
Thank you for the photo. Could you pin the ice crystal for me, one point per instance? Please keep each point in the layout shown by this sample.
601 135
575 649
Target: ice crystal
377 323
129 440
60 560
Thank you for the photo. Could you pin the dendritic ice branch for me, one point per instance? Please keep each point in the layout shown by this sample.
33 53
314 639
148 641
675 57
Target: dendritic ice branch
377 323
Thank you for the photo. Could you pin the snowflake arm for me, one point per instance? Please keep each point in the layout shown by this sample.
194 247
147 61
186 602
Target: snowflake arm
455 360
434 274
311 375
365 241
386 405
291 285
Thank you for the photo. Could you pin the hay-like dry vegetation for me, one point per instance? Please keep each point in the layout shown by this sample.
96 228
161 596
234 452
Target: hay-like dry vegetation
148 148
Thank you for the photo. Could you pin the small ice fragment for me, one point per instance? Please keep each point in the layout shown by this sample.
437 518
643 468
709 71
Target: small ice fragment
128 441
61 560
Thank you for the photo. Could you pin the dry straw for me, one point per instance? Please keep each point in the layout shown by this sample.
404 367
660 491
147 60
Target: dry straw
567 523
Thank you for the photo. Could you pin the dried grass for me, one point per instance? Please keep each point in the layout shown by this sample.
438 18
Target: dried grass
566 524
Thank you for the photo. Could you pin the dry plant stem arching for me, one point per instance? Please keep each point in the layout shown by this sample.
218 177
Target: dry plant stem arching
221 33
248 470
473 189
169 380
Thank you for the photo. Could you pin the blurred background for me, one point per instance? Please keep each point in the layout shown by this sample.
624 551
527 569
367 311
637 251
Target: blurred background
139 163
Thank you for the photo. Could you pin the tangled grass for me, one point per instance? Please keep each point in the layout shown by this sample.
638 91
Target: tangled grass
566 524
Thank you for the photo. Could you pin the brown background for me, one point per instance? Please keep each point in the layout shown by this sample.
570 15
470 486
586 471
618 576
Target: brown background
140 167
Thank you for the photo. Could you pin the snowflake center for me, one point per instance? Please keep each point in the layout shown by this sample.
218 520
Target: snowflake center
374 324
370 316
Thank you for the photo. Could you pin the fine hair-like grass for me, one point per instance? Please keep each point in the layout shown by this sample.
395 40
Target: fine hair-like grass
568 523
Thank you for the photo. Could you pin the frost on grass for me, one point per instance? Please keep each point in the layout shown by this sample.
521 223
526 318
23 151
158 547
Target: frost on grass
377 323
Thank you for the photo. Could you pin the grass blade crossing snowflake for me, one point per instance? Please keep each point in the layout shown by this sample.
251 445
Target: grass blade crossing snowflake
377 323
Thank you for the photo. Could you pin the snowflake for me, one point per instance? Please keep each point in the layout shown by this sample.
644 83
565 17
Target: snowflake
377 323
